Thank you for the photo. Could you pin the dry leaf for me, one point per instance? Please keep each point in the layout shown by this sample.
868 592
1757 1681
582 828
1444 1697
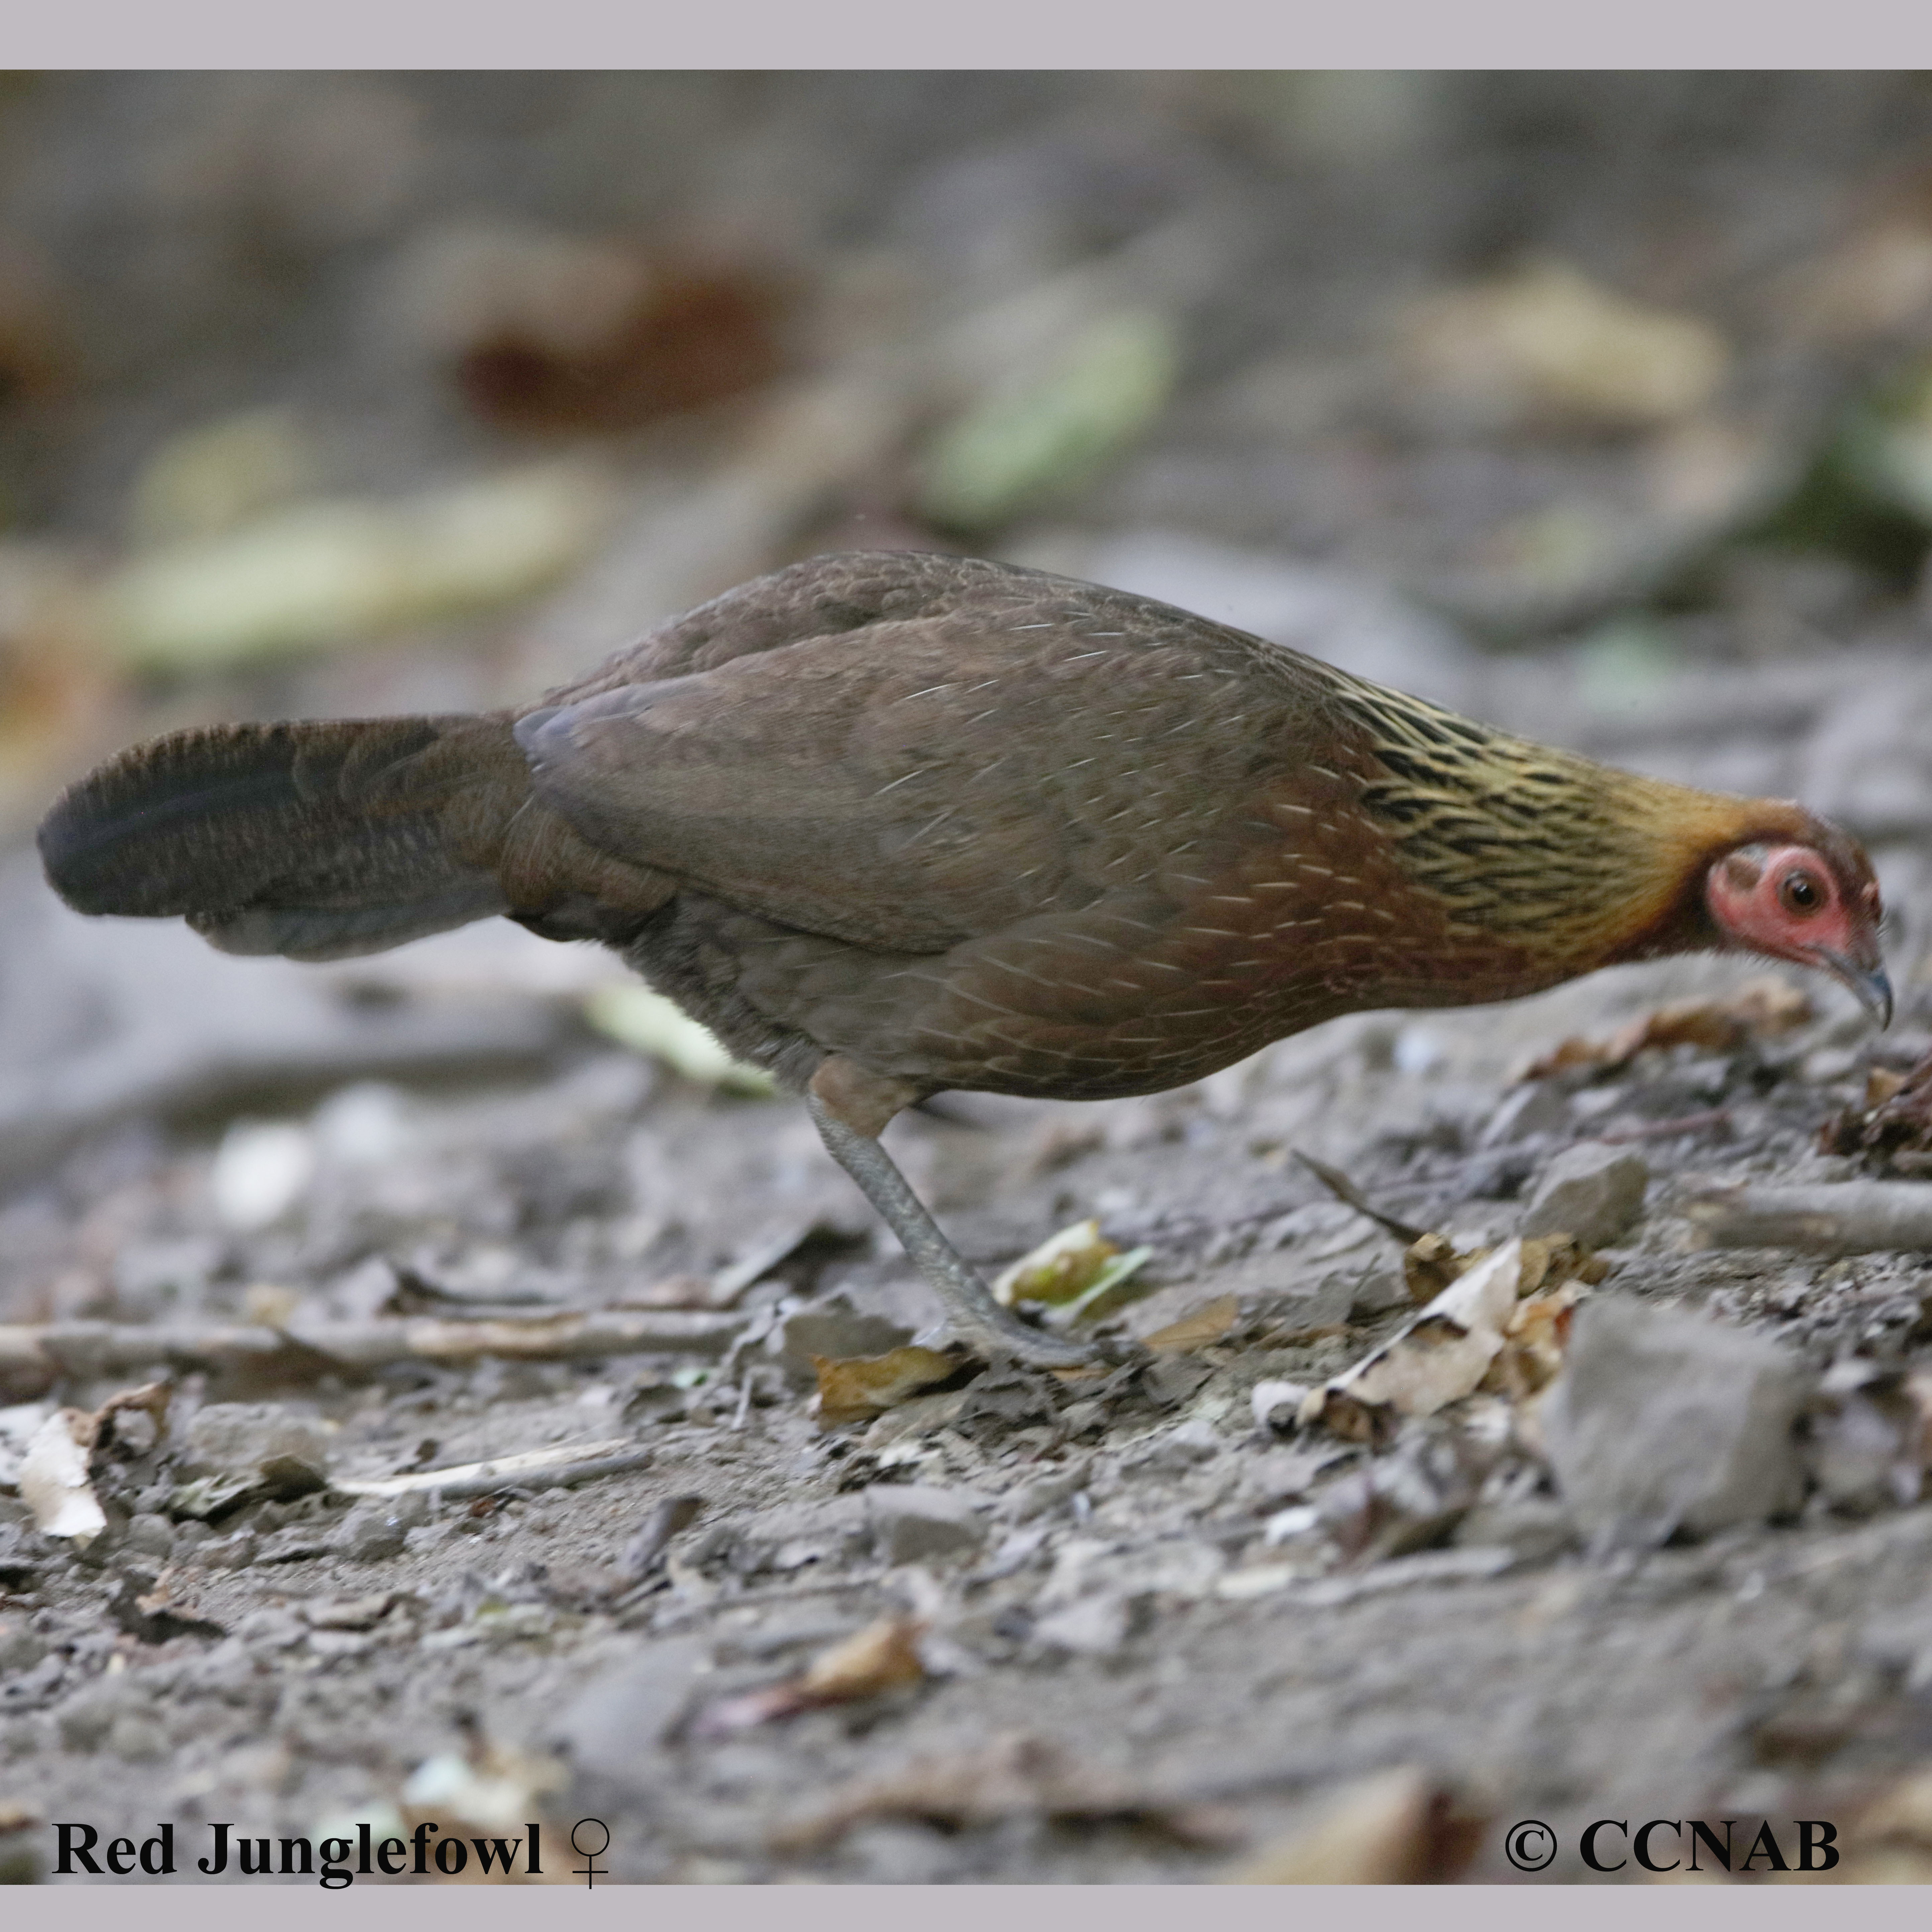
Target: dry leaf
1441 1356
1062 1268
859 1387
1431 1262
1533 1340
1547 344
1015 1775
1206 1324
883 1656
1762 1006
53 1477
1398 1828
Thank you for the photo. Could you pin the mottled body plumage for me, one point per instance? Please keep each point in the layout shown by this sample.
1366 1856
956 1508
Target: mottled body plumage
893 824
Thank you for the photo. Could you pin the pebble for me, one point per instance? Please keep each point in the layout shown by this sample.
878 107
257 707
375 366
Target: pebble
1094 1626
1664 1421
1593 1192
913 1522
614 1729
250 1439
374 1530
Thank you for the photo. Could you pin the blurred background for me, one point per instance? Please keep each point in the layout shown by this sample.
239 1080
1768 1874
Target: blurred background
331 394
1597 405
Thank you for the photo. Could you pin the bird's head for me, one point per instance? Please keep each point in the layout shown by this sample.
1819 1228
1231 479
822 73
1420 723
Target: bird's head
1815 903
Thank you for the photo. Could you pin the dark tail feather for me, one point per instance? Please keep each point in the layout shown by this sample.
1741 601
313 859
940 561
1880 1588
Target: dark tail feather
317 841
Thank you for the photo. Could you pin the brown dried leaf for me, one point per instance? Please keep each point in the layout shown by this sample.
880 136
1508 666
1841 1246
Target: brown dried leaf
883 1656
1765 1007
1533 1340
1401 1827
1206 1324
1431 1262
859 1387
1893 1129
1014 1776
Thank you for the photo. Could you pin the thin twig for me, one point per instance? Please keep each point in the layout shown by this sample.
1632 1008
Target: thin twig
102 1347
1345 1191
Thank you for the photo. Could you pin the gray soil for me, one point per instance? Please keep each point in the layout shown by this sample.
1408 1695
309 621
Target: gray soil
1157 1635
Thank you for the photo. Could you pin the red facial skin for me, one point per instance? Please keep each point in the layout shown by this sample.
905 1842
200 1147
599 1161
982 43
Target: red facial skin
1786 901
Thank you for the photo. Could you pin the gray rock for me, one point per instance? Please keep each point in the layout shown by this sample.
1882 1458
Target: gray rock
380 1528
616 1728
259 1446
1094 1626
1176 1450
90 1713
912 1522
1663 1421
20 1648
1537 1528
1028 1500
135 1738
1593 1192
151 1536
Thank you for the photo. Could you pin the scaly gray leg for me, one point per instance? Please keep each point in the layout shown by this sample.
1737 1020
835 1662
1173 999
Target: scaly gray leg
970 1307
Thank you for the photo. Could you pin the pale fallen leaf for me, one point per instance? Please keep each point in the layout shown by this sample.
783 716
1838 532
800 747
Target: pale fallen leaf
1549 344
1401 1827
1062 1268
1764 1006
1206 1324
1533 1339
53 1477
860 1387
1008 451
325 571
1441 1356
883 1656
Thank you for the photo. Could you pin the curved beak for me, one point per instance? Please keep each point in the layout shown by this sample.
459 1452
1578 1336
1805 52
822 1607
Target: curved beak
1867 985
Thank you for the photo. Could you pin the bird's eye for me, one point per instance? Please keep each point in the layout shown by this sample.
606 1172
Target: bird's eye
1800 894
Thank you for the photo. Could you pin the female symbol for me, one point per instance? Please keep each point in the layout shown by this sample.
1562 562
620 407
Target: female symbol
589 1853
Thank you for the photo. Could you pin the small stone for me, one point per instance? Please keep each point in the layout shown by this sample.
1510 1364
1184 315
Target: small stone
1276 1405
1663 1421
1043 1493
151 1536
1177 1449
20 1648
257 1444
615 1729
1594 1193
136 1739
230 1552
87 1718
913 1522
1095 1627
380 1528
1537 1529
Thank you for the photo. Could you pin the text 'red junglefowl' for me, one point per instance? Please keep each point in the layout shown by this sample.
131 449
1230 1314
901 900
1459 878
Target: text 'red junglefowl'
892 824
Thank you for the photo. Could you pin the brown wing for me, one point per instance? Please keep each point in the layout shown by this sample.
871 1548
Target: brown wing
909 783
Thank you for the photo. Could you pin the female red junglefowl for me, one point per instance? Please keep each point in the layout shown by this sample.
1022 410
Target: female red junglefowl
893 823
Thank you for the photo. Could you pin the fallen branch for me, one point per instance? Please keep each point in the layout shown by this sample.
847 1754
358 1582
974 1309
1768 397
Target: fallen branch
101 1348
1852 1217
530 1469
